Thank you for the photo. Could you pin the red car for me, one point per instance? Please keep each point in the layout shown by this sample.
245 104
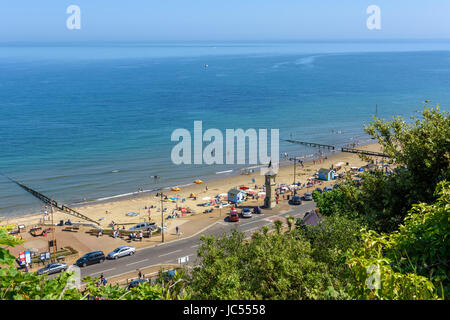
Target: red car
234 216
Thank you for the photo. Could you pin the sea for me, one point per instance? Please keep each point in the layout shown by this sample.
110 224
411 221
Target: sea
87 122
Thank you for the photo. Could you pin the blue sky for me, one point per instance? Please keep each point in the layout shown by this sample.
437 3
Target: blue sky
157 20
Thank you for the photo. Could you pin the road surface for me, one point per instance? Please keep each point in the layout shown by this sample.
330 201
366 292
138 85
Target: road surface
169 253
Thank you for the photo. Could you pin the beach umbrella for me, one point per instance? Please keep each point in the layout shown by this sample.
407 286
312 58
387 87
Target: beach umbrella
198 181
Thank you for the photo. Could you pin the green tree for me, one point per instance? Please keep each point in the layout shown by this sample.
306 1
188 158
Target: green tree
269 266
290 222
278 225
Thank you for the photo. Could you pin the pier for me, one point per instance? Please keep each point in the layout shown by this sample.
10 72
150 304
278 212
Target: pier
52 202
312 144
343 149
365 152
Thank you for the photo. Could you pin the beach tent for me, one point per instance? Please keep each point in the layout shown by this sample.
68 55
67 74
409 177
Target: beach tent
235 195
326 174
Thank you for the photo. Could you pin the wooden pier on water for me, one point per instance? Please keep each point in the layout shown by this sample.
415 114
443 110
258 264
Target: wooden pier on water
365 152
312 144
53 203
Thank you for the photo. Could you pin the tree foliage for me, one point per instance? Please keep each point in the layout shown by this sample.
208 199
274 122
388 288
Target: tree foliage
269 266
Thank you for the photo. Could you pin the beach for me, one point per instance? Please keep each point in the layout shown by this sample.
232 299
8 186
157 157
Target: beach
116 210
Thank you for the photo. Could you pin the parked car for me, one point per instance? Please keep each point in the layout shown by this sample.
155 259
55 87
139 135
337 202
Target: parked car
246 213
54 267
307 196
336 186
326 189
144 226
319 190
296 200
135 283
234 216
121 252
257 210
91 258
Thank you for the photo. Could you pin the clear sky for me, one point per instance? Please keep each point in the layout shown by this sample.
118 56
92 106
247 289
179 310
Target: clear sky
157 20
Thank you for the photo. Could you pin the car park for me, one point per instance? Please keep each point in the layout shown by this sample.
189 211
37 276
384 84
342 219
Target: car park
54 267
121 252
91 258
257 210
246 213
296 200
307 196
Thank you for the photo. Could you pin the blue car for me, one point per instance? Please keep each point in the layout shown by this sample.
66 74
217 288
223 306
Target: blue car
326 189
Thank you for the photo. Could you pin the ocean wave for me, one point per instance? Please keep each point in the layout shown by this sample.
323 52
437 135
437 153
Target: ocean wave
306 61
226 171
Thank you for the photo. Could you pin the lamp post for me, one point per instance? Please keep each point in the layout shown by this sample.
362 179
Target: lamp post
162 217
53 234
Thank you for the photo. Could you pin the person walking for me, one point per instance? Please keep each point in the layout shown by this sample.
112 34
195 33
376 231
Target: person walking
177 229
140 236
139 274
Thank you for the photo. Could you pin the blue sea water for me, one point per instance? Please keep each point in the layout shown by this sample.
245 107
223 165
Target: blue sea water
85 121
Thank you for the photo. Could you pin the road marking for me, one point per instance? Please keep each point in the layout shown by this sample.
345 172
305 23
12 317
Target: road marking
254 221
195 246
136 262
103 271
166 254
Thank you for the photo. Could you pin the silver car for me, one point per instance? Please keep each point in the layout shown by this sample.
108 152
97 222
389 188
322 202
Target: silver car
246 213
121 252
53 268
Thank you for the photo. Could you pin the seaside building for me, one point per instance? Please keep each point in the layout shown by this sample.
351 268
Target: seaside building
326 174
311 218
235 195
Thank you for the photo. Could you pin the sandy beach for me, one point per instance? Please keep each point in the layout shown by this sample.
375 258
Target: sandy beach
117 210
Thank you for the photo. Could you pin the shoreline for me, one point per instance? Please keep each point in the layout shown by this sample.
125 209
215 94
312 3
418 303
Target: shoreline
118 205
